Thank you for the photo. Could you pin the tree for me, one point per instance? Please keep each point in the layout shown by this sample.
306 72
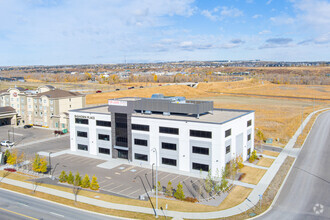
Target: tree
36 163
63 177
159 187
43 165
85 182
77 179
169 189
239 161
7 154
70 178
94 185
253 156
155 78
179 194
208 182
12 159
217 182
233 169
224 181
21 157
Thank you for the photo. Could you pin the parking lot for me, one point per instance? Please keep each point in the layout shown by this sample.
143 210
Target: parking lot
120 179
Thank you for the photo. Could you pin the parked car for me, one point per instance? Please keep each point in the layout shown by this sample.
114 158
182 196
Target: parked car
28 126
58 132
141 87
7 143
117 89
132 87
98 91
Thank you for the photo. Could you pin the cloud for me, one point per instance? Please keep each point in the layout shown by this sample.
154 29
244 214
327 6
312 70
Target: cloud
234 43
257 16
276 42
221 13
264 32
249 1
268 2
283 20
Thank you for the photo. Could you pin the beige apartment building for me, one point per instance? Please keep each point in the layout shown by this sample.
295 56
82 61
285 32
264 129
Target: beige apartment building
47 106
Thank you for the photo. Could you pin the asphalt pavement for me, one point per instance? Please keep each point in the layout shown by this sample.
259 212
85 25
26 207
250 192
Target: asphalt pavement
306 193
15 206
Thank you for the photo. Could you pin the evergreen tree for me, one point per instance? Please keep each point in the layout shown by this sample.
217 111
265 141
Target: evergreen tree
169 189
85 182
70 178
77 179
63 177
179 194
94 185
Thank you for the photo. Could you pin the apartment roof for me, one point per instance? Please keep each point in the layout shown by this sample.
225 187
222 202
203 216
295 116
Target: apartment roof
218 116
58 93
7 109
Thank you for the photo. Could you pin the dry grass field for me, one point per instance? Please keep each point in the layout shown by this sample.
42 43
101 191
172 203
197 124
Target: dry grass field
270 153
253 175
265 162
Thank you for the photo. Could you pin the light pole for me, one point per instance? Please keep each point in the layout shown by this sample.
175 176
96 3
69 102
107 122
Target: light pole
152 175
146 193
50 164
52 173
155 150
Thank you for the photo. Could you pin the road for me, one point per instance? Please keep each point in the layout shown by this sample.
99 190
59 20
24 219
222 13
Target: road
306 192
15 206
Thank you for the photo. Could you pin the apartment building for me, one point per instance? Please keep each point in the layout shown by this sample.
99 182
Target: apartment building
173 132
46 106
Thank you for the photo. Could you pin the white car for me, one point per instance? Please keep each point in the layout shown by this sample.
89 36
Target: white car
7 143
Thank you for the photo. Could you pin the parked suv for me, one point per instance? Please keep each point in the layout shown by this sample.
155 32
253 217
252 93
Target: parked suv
28 126
7 143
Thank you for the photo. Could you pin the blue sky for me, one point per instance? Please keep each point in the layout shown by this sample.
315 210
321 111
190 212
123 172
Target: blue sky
52 32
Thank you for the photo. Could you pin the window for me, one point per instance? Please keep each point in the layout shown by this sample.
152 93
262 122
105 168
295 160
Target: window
140 127
45 101
141 142
35 100
168 146
249 151
199 166
202 134
63 125
104 137
103 123
104 150
81 121
249 137
121 139
121 125
200 150
51 101
35 113
168 161
56 124
249 123
82 134
227 132
40 113
228 149
141 157
82 147
167 130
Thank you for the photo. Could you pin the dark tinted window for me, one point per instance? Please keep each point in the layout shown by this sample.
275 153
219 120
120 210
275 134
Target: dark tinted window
167 130
200 150
81 121
228 149
140 127
249 137
82 147
82 134
199 166
227 132
249 123
141 142
168 161
103 123
141 157
202 134
104 150
168 146
104 137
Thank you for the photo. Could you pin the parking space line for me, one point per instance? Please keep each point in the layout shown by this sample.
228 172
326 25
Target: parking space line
108 185
127 169
172 180
139 171
124 189
117 187
133 192
165 176
186 178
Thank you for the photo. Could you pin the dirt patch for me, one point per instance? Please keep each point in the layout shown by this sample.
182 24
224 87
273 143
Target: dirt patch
270 153
265 162
253 175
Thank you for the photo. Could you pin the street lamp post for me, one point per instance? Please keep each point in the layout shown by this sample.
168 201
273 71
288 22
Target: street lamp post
152 176
52 173
50 164
155 150
147 194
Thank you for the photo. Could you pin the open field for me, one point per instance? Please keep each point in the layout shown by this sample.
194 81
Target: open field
253 175
265 162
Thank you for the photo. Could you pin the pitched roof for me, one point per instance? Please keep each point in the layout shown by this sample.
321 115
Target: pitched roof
7 109
58 93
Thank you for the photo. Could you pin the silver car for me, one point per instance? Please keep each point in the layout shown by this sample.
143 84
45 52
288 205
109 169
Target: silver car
7 143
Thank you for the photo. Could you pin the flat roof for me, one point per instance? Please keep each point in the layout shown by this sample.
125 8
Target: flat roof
219 116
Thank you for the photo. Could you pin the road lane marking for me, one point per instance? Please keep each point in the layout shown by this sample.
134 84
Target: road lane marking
53 213
16 213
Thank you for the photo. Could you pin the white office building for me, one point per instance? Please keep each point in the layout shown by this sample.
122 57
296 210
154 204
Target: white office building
185 135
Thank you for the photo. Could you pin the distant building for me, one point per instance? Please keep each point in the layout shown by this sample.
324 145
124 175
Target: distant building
46 106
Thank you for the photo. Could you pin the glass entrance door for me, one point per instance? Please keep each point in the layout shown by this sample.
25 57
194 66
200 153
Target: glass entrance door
123 154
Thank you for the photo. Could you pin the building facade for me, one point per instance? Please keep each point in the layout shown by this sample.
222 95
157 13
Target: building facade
173 132
46 106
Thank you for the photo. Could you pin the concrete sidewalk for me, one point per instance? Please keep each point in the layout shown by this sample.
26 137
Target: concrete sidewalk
259 189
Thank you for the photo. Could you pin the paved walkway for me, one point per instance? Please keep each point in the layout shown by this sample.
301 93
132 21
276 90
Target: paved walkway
40 141
259 189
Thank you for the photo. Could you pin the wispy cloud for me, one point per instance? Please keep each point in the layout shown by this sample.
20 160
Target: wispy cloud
220 13
276 42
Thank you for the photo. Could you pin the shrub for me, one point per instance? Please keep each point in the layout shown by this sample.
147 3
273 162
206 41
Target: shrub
239 161
179 194
94 185
253 156
191 199
85 182
70 178
63 177
39 164
169 189
77 179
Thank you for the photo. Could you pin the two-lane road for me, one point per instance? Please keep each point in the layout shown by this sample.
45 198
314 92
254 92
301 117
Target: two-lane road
15 206
306 193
